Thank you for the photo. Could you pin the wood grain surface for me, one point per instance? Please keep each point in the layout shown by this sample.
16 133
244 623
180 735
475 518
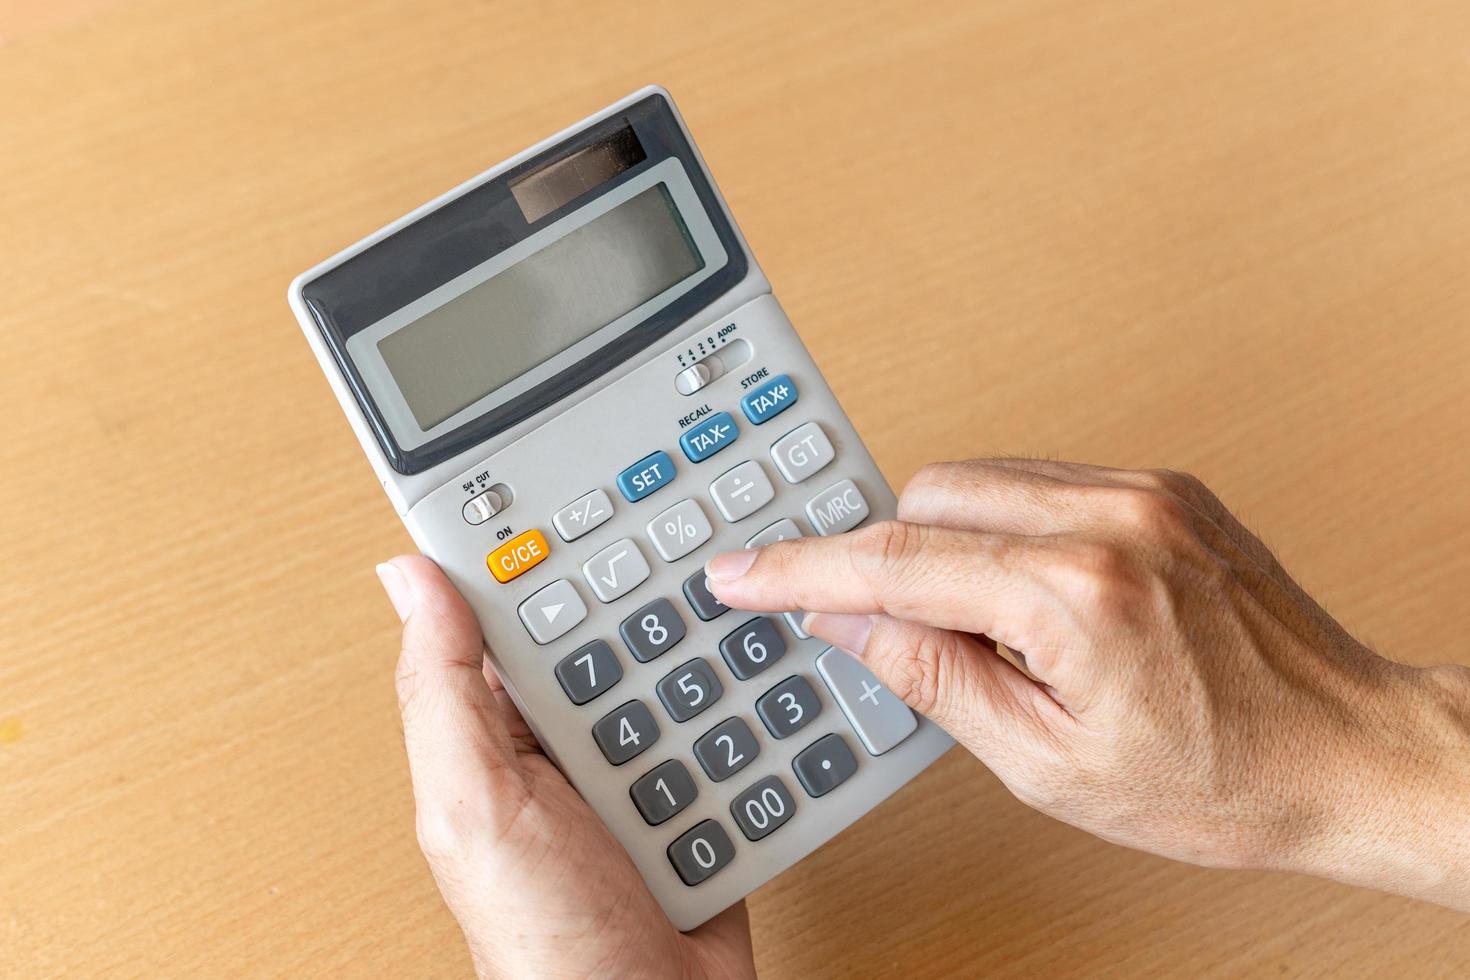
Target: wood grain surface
1229 238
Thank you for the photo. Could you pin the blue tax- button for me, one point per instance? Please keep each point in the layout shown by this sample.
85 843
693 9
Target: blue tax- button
646 475
709 437
770 399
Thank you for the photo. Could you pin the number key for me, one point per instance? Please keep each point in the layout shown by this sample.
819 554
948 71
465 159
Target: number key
760 810
701 851
689 689
787 707
625 731
752 648
652 630
663 792
588 671
726 749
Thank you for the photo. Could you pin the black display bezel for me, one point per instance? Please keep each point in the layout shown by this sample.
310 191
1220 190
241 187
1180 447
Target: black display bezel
476 226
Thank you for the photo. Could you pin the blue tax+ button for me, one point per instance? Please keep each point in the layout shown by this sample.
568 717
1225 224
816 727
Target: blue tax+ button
709 437
770 399
646 475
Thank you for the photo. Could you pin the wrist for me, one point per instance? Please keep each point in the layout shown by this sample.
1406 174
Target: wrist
1397 818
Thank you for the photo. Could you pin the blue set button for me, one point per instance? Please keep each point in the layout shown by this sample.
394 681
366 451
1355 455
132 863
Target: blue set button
709 437
770 399
646 475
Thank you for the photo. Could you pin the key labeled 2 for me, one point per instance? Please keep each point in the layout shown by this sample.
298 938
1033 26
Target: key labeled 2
752 648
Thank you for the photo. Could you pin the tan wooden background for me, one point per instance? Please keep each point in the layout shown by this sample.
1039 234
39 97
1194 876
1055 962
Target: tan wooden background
1232 238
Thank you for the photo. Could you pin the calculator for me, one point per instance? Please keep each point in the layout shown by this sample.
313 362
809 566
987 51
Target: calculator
576 387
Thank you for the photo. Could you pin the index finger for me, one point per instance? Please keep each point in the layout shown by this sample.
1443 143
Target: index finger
956 579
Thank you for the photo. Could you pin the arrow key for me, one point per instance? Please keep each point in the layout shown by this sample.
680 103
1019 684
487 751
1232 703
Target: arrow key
552 611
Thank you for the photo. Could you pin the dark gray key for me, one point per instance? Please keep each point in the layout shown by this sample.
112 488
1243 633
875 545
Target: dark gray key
588 671
663 791
752 648
726 749
652 630
701 851
625 731
689 689
762 809
705 605
824 765
787 707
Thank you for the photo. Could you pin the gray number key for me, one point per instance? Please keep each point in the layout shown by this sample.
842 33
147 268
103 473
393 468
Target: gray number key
663 791
701 851
701 600
752 648
588 671
726 749
824 765
880 719
788 707
652 630
763 808
625 731
838 508
689 689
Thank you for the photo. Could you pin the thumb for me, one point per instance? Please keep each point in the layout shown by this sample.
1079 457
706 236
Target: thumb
460 754
965 688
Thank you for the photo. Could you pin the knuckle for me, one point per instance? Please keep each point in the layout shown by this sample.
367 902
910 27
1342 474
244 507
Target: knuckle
1102 578
884 548
1153 514
916 671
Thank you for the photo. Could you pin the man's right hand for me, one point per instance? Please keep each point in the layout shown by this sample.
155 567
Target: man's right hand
1185 696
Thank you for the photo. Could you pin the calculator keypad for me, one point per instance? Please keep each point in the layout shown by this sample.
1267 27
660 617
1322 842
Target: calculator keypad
761 810
742 491
663 792
625 732
726 749
752 648
615 570
788 707
689 689
588 671
652 631
701 851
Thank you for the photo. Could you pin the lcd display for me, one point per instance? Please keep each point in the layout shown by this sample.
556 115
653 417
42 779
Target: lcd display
462 351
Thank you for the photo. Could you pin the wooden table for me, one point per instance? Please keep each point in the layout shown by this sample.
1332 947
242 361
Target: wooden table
1230 238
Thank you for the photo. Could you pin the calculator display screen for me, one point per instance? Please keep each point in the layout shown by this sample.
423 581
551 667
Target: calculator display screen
456 354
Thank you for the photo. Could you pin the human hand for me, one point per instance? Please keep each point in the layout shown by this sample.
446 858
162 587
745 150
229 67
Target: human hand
1186 696
539 885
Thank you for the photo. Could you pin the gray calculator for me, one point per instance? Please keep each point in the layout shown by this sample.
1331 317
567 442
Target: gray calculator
576 387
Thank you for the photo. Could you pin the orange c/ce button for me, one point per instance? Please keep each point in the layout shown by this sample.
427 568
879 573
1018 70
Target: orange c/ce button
520 554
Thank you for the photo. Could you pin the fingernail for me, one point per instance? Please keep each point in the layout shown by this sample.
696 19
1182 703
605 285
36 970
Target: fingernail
729 566
400 593
842 630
